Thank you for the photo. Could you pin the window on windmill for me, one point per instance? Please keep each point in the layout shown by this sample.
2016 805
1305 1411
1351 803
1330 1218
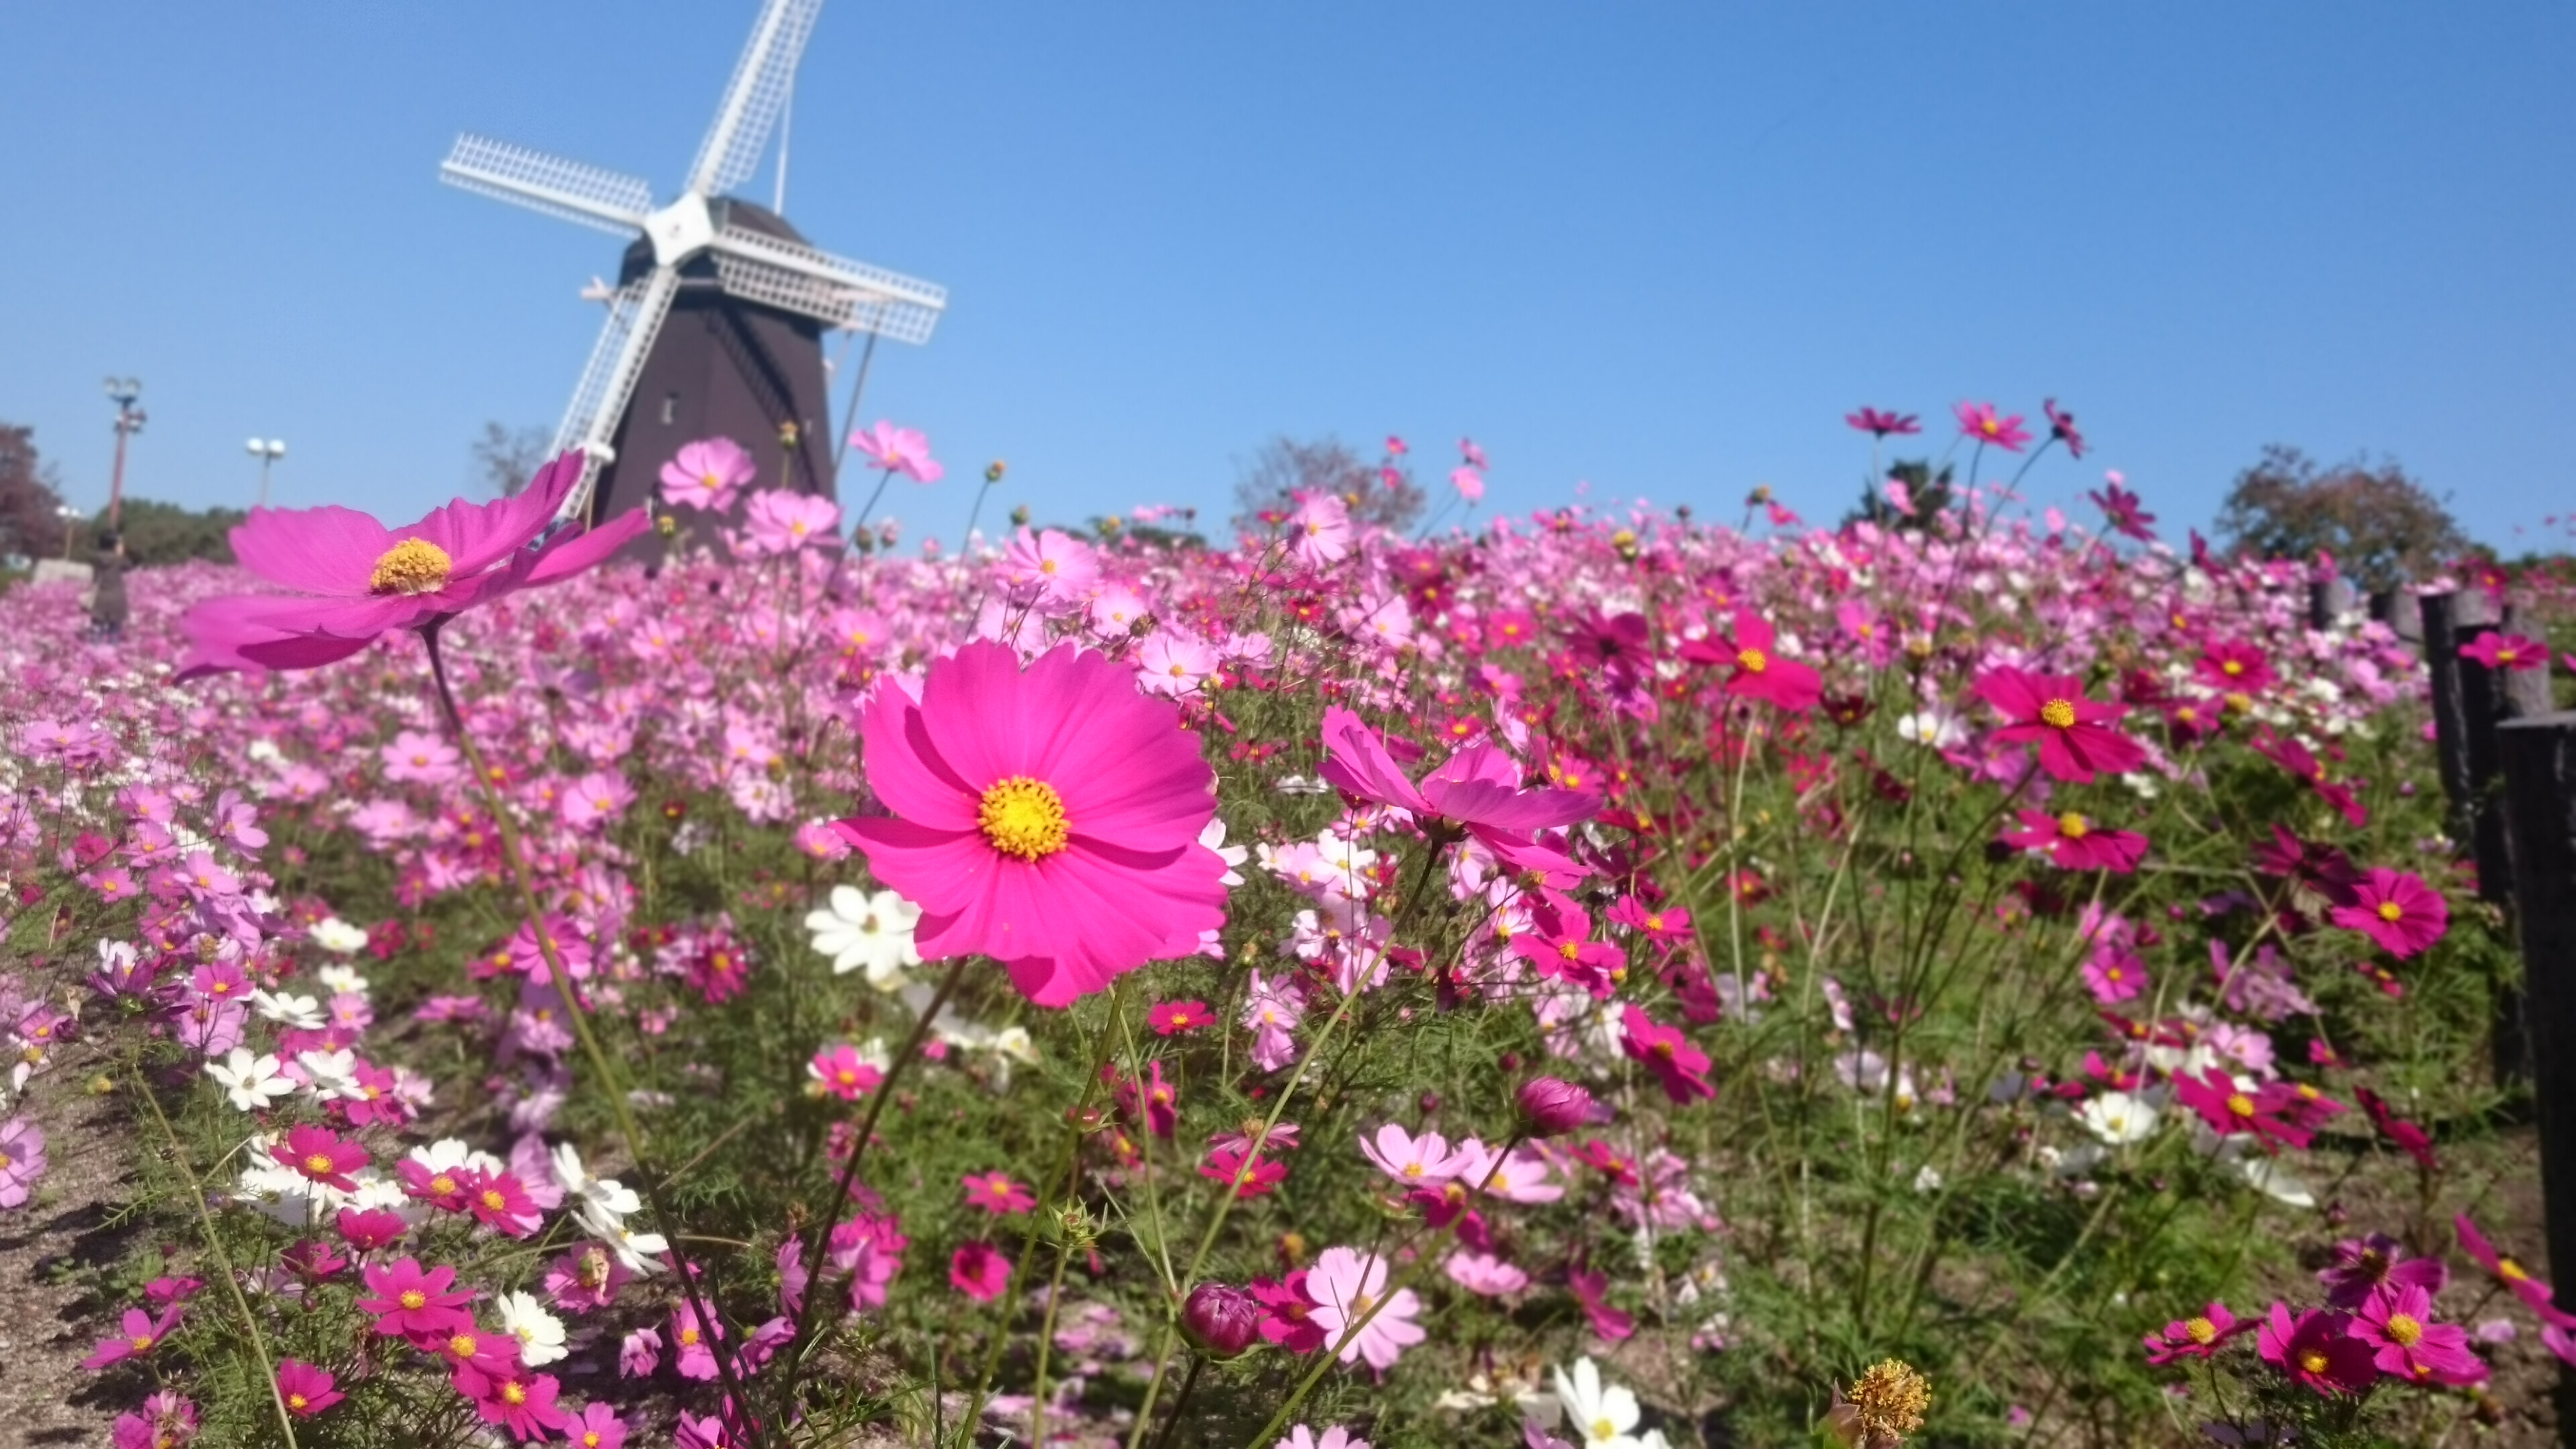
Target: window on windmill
670 408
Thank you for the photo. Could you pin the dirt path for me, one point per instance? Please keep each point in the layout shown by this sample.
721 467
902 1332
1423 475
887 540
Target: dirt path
46 1397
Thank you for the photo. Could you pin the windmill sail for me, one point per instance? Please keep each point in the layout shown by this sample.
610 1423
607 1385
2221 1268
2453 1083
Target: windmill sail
754 97
590 195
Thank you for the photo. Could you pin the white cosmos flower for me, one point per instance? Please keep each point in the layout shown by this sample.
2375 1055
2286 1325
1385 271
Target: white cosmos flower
251 1080
871 933
1233 855
342 980
2118 1118
332 1075
540 1334
336 935
301 1012
1600 1415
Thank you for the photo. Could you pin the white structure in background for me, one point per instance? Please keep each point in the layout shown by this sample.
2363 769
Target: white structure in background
267 451
749 264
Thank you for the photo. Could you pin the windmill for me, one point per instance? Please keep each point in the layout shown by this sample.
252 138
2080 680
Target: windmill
717 317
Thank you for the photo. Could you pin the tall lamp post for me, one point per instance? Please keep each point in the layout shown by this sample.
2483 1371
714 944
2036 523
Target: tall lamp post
122 391
267 451
71 518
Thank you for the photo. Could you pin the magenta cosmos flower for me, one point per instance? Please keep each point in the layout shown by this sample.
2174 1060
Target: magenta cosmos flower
2317 1350
1871 420
1048 818
2075 841
2506 651
2120 507
321 1155
304 1389
353 578
2395 909
1478 788
1679 1066
707 474
1760 673
2396 1320
1981 422
2051 710
2198 1336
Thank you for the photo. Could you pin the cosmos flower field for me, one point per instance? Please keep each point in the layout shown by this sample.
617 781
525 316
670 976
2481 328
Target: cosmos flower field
1594 978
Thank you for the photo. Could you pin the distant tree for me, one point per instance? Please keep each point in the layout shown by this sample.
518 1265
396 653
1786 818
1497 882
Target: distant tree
1284 467
2382 526
506 458
165 533
1928 491
30 494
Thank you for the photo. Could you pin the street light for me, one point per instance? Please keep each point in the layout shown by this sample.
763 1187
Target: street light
122 391
267 451
71 520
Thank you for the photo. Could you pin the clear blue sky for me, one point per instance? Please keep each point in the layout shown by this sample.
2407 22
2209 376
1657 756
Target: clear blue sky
1662 248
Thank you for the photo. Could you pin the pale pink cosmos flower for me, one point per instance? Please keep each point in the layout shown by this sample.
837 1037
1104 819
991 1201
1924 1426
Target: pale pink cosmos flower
1469 483
1413 1161
1346 1285
1520 1177
597 798
780 522
1052 570
1484 1274
1320 532
707 474
422 757
899 450
1173 664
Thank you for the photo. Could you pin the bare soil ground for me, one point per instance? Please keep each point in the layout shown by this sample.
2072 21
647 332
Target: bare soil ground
46 1327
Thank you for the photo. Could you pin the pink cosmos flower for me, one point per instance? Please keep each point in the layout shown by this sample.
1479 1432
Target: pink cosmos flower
2230 1109
1345 1285
781 522
2316 1350
415 1304
2395 909
586 1279
597 799
321 1155
707 474
2534 1293
1980 421
695 1352
2050 709
1255 1177
304 1389
143 1333
597 1426
2115 976
2061 426
979 1271
1889 424
1048 818
500 1201
2506 651
1679 1066
2363 1265
22 1160
2198 1336
1469 483
353 578
1477 788
1288 1313
2397 1320
515 1399
1520 1175
421 757
1172 664
2073 841
842 1073
901 450
994 1192
1592 1291
1484 1274
1335 1437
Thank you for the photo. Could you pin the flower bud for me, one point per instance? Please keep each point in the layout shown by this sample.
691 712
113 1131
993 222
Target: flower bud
1222 1320
1020 516
1552 1107
994 470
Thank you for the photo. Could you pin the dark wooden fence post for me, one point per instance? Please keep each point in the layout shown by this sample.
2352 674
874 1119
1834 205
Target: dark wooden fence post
2328 601
2539 758
2468 701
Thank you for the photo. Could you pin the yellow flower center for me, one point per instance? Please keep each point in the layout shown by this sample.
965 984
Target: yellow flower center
2232 668
413 566
2510 1271
2314 1360
1569 949
710 481
590 1440
688 1338
1604 1430
297 1402
462 1345
2403 1330
1023 817
514 1392
2390 911
2057 713
140 1342
1753 659
319 1165
2073 825
413 1298
2240 1104
2200 1330
442 1184
2238 702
